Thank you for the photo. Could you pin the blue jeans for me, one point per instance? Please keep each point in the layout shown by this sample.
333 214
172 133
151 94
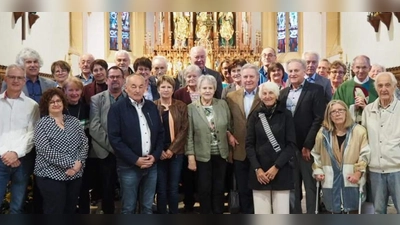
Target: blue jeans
19 178
383 185
132 180
168 177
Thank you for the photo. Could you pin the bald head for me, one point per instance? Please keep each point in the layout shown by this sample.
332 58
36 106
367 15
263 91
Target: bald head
84 63
198 56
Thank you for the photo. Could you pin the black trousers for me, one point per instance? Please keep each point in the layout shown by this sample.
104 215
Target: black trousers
59 197
211 184
90 180
188 185
108 171
242 169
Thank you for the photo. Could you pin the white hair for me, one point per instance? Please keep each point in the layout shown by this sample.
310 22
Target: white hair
14 66
196 49
270 86
310 53
378 65
160 57
301 61
121 52
28 53
392 79
208 79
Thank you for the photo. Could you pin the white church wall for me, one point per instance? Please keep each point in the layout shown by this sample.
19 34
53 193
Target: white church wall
313 33
95 37
49 36
359 38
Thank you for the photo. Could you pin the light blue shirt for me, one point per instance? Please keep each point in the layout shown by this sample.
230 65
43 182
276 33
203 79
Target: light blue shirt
311 79
248 101
83 79
293 97
148 95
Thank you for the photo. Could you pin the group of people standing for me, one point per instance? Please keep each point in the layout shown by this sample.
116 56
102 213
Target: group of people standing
149 134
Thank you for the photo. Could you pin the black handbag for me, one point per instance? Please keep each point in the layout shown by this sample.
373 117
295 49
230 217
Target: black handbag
233 202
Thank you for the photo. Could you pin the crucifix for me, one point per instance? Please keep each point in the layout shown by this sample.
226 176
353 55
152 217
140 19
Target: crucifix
32 17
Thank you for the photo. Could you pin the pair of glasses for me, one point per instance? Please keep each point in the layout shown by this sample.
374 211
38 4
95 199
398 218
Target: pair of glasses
18 78
337 112
59 102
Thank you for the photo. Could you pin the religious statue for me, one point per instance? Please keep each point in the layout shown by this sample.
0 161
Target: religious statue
202 28
226 30
181 31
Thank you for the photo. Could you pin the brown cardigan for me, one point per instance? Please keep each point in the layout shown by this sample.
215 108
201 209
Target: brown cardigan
179 113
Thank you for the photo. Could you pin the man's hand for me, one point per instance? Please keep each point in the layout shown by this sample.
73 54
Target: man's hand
169 153
320 177
306 154
232 140
9 158
163 155
359 102
16 164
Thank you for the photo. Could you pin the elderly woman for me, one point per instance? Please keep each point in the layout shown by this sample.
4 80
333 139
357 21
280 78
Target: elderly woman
234 71
60 70
189 93
341 155
174 116
275 74
61 148
270 144
375 70
73 88
336 74
207 145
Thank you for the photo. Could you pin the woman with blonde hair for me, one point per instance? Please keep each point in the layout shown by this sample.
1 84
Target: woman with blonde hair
341 154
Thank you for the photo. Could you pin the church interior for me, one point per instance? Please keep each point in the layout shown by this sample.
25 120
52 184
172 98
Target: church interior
225 35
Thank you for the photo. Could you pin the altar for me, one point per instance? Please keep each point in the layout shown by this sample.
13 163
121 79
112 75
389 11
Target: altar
225 35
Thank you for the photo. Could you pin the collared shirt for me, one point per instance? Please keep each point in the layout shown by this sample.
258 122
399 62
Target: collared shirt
148 95
114 100
144 127
34 89
310 79
293 97
83 79
17 121
248 101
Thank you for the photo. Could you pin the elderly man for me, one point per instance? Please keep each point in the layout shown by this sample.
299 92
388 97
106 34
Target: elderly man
84 65
381 118
306 102
241 104
323 68
136 134
19 114
99 107
142 66
35 85
359 91
311 59
122 60
375 69
160 66
268 56
198 57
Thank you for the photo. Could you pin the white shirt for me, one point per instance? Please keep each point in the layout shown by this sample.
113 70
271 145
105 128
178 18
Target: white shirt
17 120
248 100
144 128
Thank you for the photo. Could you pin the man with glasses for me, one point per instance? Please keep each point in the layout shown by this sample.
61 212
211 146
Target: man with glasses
359 91
160 66
142 66
268 56
19 116
122 60
86 75
100 104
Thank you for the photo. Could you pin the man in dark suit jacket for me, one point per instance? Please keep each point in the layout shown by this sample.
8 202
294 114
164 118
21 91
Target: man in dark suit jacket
198 56
136 134
307 104
312 59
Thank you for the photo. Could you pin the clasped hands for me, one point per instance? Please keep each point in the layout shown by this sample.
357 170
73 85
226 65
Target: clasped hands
266 177
145 161
75 169
166 154
10 158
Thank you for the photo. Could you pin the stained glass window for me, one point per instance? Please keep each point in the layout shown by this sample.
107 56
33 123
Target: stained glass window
113 31
281 31
126 31
287 32
293 31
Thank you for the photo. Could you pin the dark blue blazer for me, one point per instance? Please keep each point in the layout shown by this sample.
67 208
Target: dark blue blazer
124 131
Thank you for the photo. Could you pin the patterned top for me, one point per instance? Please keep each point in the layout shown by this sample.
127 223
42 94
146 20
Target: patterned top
57 149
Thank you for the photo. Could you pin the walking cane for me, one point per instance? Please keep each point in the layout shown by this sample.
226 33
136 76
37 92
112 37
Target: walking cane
317 196
360 198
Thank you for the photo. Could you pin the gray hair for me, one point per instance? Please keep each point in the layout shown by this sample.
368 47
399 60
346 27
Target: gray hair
310 53
251 66
160 57
392 79
27 53
191 69
366 58
196 49
14 66
121 52
207 78
86 54
301 61
271 86
380 66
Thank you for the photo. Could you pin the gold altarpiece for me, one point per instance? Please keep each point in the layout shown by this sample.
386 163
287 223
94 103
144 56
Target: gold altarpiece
225 35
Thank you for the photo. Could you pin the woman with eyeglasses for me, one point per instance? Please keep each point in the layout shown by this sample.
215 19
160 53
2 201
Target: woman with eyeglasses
341 154
60 70
336 74
61 148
